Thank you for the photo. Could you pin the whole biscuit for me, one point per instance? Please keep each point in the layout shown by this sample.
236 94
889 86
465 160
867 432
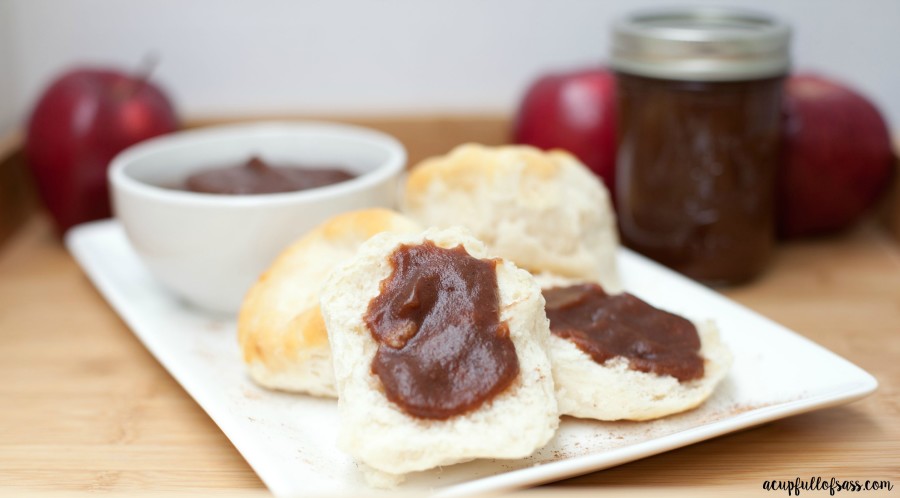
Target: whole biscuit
544 211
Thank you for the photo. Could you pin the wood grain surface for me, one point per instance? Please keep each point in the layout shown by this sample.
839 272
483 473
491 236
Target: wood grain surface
85 408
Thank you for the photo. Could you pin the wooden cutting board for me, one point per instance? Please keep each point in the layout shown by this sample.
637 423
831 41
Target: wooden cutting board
84 408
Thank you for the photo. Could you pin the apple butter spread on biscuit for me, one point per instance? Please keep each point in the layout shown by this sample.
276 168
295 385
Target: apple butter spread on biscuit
442 349
606 326
258 177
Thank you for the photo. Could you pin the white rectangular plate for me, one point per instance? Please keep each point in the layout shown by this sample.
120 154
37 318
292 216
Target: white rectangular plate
289 440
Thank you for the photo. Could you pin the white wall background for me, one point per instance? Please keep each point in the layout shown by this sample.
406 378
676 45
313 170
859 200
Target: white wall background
8 110
386 56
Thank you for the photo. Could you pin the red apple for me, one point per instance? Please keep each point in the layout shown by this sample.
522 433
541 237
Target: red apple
80 122
574 111
838 157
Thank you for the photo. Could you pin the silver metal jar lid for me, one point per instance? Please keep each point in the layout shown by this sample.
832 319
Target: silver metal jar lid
703 44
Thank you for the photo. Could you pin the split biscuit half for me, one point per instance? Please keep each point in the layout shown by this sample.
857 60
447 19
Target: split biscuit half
385 436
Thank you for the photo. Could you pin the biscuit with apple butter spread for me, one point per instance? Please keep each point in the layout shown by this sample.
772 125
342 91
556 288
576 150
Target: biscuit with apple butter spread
616 357
280 327
439 353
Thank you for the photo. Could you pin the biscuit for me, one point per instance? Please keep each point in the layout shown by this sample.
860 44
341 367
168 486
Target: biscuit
280 327
544 211
379 433
614 391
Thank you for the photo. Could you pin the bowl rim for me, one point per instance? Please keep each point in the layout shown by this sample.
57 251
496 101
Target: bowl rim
120 180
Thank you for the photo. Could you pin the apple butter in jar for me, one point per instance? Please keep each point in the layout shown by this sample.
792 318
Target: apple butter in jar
699 124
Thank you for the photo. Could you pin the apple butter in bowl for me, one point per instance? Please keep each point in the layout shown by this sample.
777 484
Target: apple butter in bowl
207 210
256 176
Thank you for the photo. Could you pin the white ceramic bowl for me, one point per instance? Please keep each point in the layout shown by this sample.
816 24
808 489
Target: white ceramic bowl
210 248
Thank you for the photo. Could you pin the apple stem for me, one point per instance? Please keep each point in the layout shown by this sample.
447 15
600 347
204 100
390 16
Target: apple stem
145 70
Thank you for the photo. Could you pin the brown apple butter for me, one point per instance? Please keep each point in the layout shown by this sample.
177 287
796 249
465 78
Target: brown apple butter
442 349
607 326
697 166
699 126
258 177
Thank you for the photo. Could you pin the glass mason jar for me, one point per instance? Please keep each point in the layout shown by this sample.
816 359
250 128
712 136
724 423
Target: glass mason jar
699 125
